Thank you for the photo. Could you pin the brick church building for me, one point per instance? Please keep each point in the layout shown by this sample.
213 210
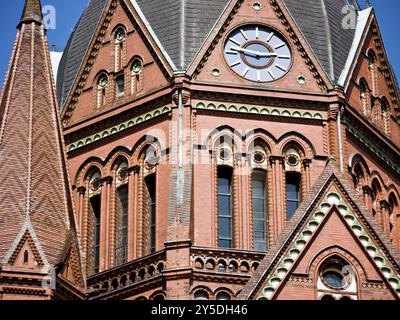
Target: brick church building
213 149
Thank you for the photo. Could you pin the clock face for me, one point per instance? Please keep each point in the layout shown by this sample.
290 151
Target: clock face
257 53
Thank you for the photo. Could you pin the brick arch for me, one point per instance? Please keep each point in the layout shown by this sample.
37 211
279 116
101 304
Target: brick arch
158 293
326 253
86 167
114 156
376 180
224 289
216 133
100 73
116 28
293 137
357 161
196 288
267 139
362 81
144 143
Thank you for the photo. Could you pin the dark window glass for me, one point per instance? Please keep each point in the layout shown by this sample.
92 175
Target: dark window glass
120 86
292 193
151 189
121 249
259 212
225 207
95 202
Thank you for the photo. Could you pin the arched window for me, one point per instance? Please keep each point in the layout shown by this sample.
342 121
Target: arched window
259 210
223 296
293 181
121 247
376 190
294 178
372 64
120 86
136 76
225 232
120 36
365 97
201 295
336 277
151 197
393 219
358 177
26 257
385 116
102 85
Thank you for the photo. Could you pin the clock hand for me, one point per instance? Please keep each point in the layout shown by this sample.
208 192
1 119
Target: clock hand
246 51
257 53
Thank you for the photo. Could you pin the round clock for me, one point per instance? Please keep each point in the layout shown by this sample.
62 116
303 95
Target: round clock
257 53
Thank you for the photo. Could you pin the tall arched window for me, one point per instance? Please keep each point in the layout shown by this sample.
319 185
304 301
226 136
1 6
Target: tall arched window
120 86
151 203
293 184
136 76
376 190
95 219
393 219
259 211
365 97
225 212
120 36
293 176
372 64
121 246
385 117
102 85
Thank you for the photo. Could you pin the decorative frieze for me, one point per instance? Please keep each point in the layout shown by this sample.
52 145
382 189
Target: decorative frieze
118 128
267 111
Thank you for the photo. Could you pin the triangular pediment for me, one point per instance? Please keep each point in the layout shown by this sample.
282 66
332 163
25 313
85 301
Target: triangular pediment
102 56
213 64
70 265
332 221
26 254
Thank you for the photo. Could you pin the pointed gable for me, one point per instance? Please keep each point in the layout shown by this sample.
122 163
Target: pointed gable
35 200
101 58
331 221
275 16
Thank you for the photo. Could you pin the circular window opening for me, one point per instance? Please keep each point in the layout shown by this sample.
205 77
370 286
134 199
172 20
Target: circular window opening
256 6
103 81
225 154
120 35
123 173
293 160
137 66
333 279
258 157
95 185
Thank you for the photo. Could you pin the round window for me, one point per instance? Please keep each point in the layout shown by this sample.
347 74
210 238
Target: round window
334 279
225 154
293 160
258 157
103 81
120 35
136 66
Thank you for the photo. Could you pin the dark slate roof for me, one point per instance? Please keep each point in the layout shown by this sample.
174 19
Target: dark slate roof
77 47
321 24
183 25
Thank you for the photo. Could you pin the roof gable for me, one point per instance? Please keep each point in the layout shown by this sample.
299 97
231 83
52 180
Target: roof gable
331 198
97 59
276 16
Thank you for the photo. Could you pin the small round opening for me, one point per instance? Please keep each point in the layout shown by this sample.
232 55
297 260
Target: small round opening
258 157
293 160
225 154
137 66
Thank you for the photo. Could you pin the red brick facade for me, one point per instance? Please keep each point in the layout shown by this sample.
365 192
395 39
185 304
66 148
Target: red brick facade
150 149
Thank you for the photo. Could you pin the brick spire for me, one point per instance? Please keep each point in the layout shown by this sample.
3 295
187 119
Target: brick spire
35 197
32 12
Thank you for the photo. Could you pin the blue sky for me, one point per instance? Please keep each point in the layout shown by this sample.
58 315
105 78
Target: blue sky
68 13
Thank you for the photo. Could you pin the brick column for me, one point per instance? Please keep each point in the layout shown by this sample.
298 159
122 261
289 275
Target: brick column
367 197
384 208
